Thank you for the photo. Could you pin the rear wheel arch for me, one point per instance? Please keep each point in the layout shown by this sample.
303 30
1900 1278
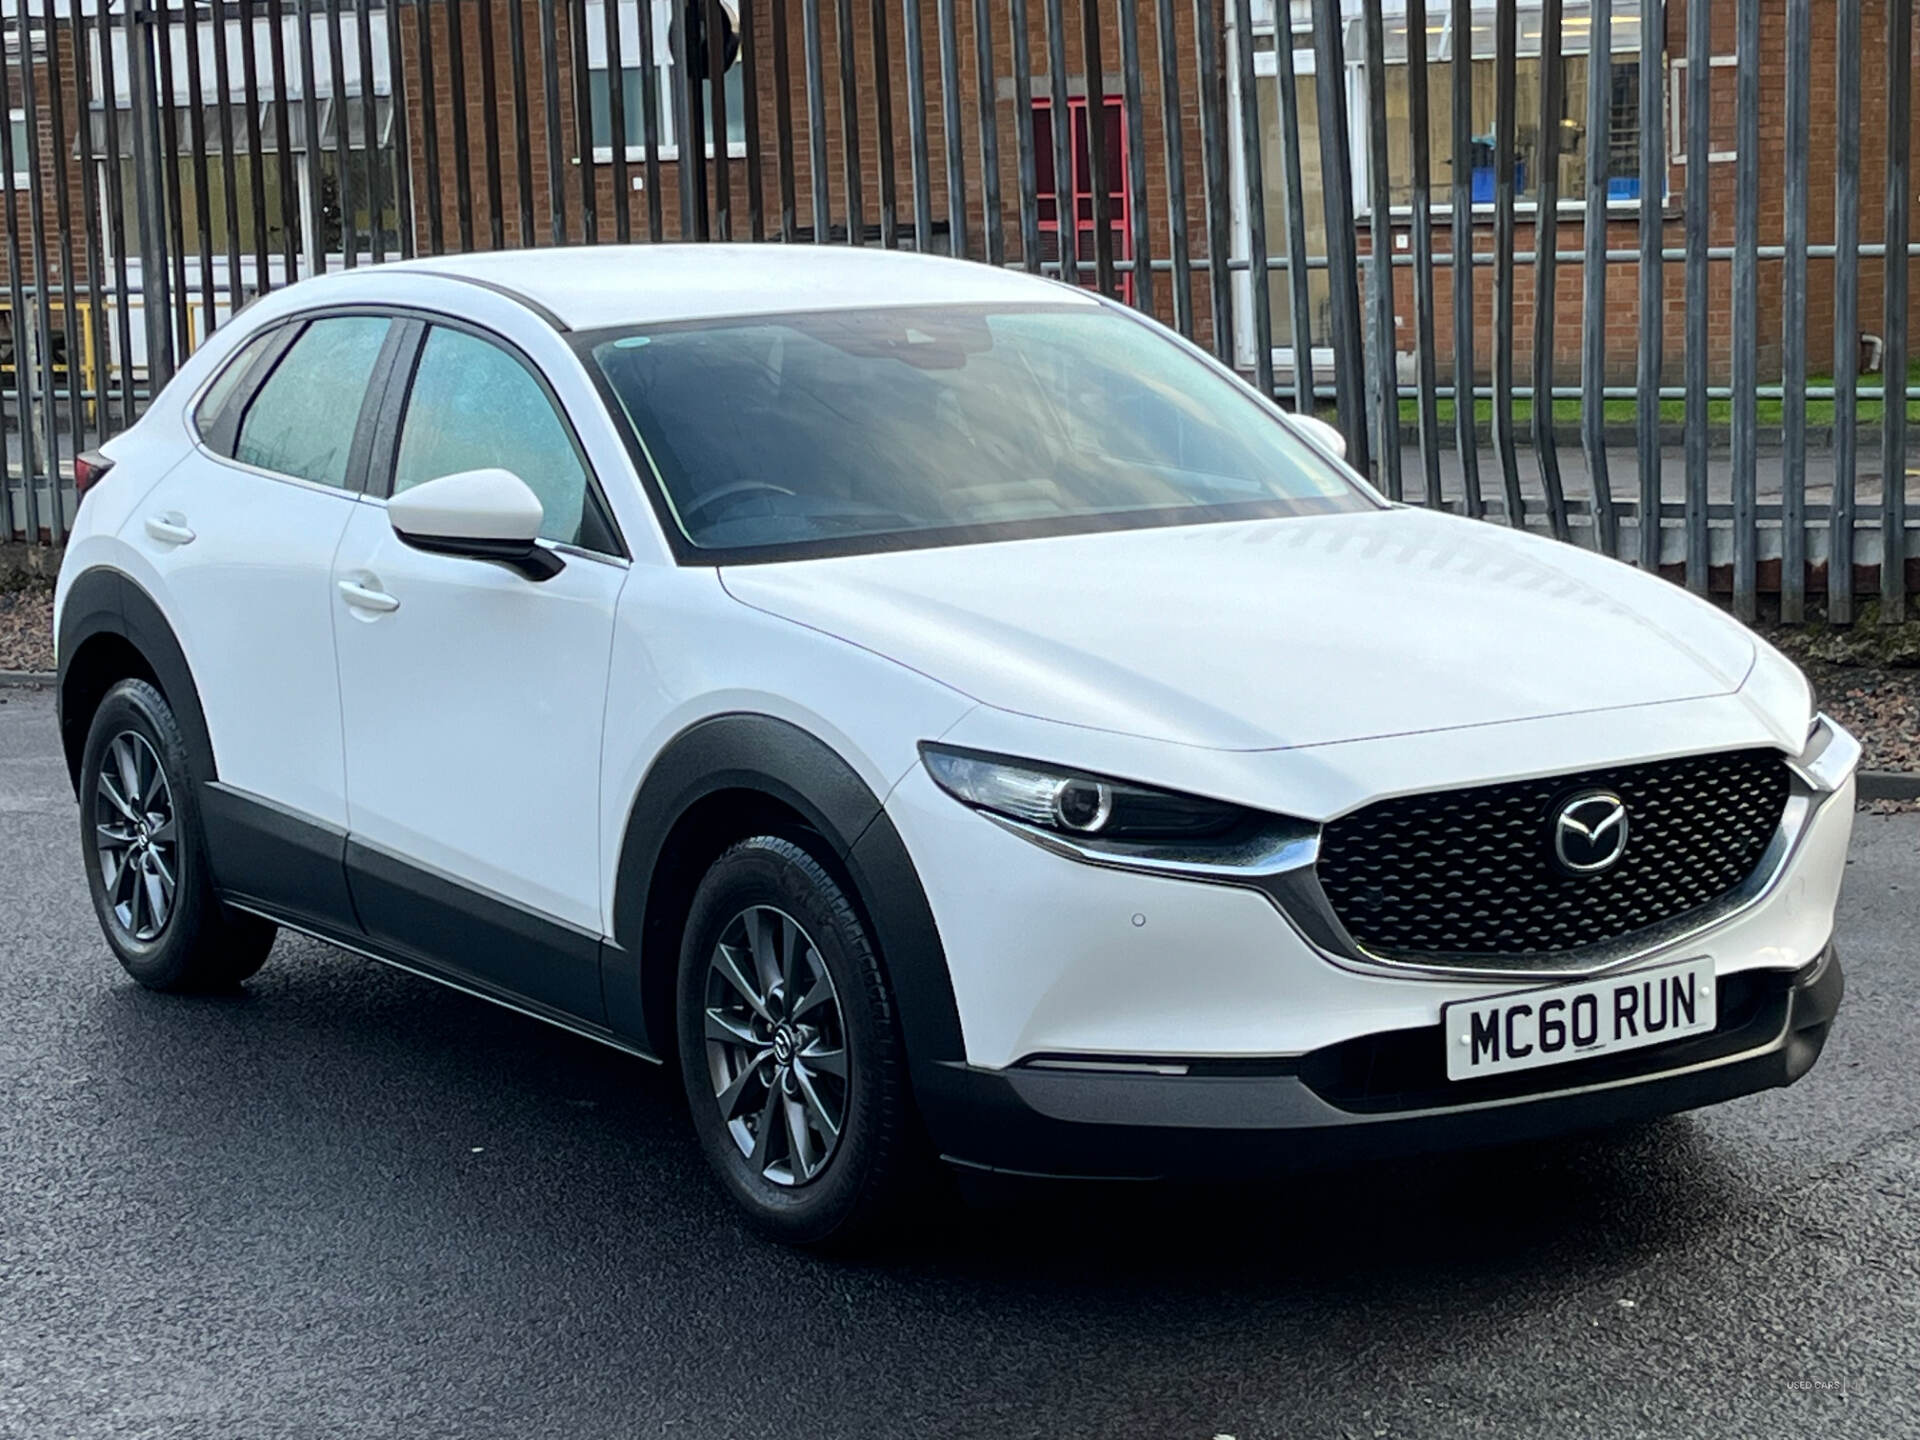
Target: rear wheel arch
734 776
112 630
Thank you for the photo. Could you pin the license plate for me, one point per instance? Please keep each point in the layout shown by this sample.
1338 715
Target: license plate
1531 1028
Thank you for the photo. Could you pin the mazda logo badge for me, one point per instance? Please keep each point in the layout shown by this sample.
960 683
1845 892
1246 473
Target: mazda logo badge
1590 832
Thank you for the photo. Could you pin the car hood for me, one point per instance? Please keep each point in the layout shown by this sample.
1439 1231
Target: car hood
1275 633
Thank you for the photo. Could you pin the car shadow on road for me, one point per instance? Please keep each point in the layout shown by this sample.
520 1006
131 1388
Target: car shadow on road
327 1060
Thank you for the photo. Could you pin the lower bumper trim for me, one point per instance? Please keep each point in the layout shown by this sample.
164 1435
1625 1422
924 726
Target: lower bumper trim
1094 1123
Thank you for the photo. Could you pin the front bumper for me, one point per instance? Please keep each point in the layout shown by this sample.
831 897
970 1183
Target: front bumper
1365 1098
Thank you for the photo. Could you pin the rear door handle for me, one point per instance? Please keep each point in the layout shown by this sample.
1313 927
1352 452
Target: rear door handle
362 597
169 529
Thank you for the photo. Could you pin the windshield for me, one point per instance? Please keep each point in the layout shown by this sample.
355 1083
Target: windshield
775 436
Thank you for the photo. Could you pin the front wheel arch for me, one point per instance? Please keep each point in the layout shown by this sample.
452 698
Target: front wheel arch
732 776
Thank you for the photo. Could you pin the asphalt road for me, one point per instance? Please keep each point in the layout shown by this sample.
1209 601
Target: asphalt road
349 1203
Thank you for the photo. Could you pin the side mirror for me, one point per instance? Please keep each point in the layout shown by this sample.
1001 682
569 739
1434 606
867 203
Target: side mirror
1321 433
479 514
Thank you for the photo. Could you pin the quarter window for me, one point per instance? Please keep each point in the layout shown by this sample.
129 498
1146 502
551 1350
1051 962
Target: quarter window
225 388
301 422
473 407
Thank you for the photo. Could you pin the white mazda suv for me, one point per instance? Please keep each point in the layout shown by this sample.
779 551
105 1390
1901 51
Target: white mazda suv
944 713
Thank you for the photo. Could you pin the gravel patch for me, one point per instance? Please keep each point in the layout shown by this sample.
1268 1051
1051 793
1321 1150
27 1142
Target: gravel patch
26 629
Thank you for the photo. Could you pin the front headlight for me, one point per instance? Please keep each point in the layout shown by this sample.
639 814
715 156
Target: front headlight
1070 802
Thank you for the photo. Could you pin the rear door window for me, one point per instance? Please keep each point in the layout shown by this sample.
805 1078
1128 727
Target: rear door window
301 421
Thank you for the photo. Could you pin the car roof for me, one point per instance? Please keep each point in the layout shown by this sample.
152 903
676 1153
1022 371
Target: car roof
588 287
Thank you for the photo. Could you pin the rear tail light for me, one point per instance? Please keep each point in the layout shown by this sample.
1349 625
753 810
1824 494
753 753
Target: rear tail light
89 467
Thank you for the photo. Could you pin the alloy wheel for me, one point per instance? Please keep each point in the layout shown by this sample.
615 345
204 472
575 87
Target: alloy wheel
137 836
776 1046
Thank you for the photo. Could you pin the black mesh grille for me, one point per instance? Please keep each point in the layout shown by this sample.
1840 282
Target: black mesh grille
1465 873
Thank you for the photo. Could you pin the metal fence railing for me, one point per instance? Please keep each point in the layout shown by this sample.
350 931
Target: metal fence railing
1577 265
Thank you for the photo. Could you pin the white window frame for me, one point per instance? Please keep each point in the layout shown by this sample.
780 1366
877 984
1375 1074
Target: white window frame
22 152
1676 137
595 19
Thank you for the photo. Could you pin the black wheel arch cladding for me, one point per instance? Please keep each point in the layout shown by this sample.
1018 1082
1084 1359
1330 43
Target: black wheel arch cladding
758 756
107 610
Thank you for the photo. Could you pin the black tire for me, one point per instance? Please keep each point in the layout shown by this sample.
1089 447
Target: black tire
874 1171
178 939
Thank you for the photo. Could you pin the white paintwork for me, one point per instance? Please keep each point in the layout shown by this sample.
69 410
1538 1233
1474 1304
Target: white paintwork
498 730
472 710
1326 436
491 504
1274 633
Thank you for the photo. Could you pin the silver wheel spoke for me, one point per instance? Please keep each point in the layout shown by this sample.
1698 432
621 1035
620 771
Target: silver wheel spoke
729 1098
116 799
156 896
826 1062
112 837
165 872
821 1115
727 962
822 993
799 1140
763 940
163 833
729 1031
761 1155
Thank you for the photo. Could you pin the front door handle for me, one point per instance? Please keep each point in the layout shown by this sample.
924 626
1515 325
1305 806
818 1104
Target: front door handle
169 529
363 597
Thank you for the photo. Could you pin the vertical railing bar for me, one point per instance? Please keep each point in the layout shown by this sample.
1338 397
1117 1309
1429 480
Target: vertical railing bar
1336 169
1653 161
650 119
1793 286
1253 144
556 142
401 123
45 431
1698 301
16 292
917 126
717 130
223 119
883 120
816 122
1100 190
682 93
1505 46
1060 136
370 131
172 192
616 118
1426 366
149 199
1893 442
1466 437
954 136
257 193
850 123
115 218
1546 239
342 141
1017 23
783 119
97 344
63 223
588 170
1173 147
1746 310
429 127
489 131
1299 296
1846 313
522 119
457 103
1385 395
282 132
993 221
1593 275
1210 65
1140 231
750 121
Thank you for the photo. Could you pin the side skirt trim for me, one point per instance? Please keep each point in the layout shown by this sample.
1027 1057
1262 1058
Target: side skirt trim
530 1009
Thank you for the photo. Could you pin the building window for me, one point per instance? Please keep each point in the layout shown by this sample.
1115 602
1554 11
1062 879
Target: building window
633 95
1114 137
22 150
1533 151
